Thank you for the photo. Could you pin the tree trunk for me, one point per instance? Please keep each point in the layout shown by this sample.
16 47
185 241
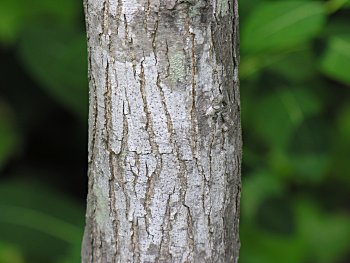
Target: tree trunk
164 131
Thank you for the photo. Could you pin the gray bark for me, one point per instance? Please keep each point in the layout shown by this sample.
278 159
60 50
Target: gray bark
164 131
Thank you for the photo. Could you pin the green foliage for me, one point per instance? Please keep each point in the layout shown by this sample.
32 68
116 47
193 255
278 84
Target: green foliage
282 110
326 236
15 15
274 26
294 81
295 88
335 61
37 224
56 56
10 254
9 137
34 215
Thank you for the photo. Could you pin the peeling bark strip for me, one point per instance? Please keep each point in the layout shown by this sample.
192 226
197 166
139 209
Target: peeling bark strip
164 131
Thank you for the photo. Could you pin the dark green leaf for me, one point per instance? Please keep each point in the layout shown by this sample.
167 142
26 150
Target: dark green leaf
310 167
279 162
341 146
343 125
257 187
11 19
276 216
15 14
264 247
334 5
338 26
10 253
278 114
33 211
281 25
56 57
73 255
296 66
9 137
326 236
335 62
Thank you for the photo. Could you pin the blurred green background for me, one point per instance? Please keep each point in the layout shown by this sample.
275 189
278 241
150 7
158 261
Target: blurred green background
295 92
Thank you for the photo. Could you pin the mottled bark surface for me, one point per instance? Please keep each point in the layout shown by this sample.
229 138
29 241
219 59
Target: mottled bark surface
164 131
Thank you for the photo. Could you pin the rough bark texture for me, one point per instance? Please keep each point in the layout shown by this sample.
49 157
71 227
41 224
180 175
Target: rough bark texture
164 131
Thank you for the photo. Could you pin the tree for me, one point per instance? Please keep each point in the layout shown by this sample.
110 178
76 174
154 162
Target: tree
164 131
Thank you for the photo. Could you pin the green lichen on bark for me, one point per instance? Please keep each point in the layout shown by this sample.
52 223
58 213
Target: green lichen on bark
223 7
196 9
177 66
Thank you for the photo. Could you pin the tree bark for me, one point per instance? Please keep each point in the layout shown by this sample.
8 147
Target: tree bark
164 131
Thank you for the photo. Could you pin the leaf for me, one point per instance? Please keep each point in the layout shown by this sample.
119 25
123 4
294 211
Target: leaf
252 65
280 164
37 220
72 256
278 114
281 25
334 5
9 136
33 211
276 216
338 26
10 253
308 152
343 125
335 61
16 14
264 247
341 146
257 187
326 236
56 57
313 136
11 19
296 66
310 167
307 158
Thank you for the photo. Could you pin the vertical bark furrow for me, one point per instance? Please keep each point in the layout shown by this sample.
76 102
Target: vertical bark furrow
164 136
